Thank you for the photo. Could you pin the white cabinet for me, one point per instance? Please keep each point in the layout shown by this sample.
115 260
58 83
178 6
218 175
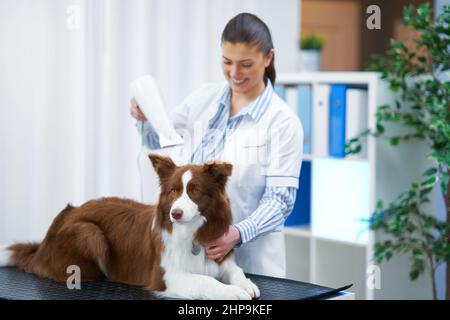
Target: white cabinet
336 248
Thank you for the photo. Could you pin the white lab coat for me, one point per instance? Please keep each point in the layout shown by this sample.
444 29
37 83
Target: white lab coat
266 153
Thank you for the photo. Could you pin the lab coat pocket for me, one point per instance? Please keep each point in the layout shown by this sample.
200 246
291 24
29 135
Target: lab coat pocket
253 163
253 154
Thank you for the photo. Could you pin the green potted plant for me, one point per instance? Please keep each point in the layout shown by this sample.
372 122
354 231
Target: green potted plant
418 72
310 46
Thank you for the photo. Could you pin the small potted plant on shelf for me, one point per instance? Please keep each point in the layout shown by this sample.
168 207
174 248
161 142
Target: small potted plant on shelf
310 52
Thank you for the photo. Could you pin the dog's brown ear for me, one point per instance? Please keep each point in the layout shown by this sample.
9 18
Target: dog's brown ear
220 171
164 166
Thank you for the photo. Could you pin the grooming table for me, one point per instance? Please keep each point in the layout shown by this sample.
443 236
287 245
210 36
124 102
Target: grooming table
18 285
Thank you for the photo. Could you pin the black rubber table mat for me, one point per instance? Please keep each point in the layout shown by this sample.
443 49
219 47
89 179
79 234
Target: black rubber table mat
18 285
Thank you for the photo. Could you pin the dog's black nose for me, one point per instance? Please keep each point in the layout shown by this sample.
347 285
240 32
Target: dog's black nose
177 214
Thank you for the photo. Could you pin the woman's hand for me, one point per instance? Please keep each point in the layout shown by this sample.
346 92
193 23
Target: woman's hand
135 111
219 248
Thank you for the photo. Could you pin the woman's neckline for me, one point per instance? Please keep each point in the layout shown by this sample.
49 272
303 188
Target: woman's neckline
247 101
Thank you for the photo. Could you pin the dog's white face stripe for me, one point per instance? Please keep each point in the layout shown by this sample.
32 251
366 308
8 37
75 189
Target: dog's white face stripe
189 207
187 176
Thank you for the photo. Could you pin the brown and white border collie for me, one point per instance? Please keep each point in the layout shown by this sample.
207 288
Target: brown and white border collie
156 247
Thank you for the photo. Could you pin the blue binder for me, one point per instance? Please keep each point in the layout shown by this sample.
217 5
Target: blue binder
280 91
336 137
301 214
304 107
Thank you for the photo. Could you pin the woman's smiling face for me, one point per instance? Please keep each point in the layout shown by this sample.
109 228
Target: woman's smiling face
243 66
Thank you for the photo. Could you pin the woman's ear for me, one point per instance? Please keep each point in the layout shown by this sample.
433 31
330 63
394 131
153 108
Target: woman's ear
269 57
164 166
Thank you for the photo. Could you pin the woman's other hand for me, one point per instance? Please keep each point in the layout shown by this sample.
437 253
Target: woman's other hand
219 248
135 111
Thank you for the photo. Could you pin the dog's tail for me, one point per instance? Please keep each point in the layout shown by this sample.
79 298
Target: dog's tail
19 254
6 256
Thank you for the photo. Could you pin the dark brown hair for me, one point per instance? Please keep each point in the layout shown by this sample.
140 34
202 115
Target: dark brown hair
248 28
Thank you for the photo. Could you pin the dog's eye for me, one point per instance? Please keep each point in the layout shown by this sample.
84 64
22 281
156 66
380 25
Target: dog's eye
172 190
194 190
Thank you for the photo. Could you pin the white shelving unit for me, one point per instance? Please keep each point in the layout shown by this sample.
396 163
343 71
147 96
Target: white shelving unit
333 259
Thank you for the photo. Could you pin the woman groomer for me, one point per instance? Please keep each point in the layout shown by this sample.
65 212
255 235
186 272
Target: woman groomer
245 123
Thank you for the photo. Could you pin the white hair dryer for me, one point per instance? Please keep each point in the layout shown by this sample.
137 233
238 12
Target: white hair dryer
148 97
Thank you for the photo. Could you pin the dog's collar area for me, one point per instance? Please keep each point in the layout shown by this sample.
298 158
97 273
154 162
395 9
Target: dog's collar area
195 249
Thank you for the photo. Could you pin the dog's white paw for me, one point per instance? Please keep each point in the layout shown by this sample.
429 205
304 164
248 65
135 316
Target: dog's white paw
251 288
232 292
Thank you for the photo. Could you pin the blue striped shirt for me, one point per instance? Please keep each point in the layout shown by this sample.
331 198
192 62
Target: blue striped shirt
277 202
